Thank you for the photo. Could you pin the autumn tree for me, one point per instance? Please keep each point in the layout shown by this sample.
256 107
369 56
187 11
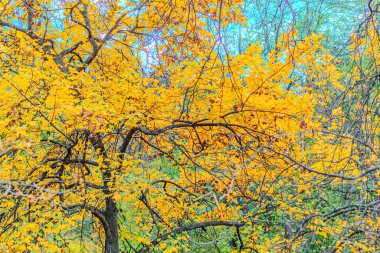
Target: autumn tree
128 124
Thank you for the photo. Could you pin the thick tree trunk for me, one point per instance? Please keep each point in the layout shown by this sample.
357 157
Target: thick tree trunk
112 238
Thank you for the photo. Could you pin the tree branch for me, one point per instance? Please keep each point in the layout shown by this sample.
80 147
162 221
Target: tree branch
180 230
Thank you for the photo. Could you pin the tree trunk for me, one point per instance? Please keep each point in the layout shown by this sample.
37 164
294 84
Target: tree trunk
112 238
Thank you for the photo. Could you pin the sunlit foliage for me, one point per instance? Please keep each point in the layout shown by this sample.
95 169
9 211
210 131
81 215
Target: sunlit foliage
127 126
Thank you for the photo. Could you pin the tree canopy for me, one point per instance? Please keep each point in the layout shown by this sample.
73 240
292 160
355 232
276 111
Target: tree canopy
186 126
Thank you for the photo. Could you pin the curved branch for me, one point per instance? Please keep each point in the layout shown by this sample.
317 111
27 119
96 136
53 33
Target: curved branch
180 230
173 183
305 167
96 212
185 125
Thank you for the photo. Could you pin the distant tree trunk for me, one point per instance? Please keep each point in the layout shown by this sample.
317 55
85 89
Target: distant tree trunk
112 238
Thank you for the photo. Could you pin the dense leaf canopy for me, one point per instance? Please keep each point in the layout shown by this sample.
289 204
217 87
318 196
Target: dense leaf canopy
185 126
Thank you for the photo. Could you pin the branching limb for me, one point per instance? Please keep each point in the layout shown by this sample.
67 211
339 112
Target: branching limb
180 230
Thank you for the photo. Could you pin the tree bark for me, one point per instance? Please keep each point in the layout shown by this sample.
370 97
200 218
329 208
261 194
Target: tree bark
112 238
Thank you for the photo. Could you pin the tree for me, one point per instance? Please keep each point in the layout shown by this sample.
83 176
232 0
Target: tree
129 124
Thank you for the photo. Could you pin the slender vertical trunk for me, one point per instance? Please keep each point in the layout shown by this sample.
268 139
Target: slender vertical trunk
110 214
112 238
